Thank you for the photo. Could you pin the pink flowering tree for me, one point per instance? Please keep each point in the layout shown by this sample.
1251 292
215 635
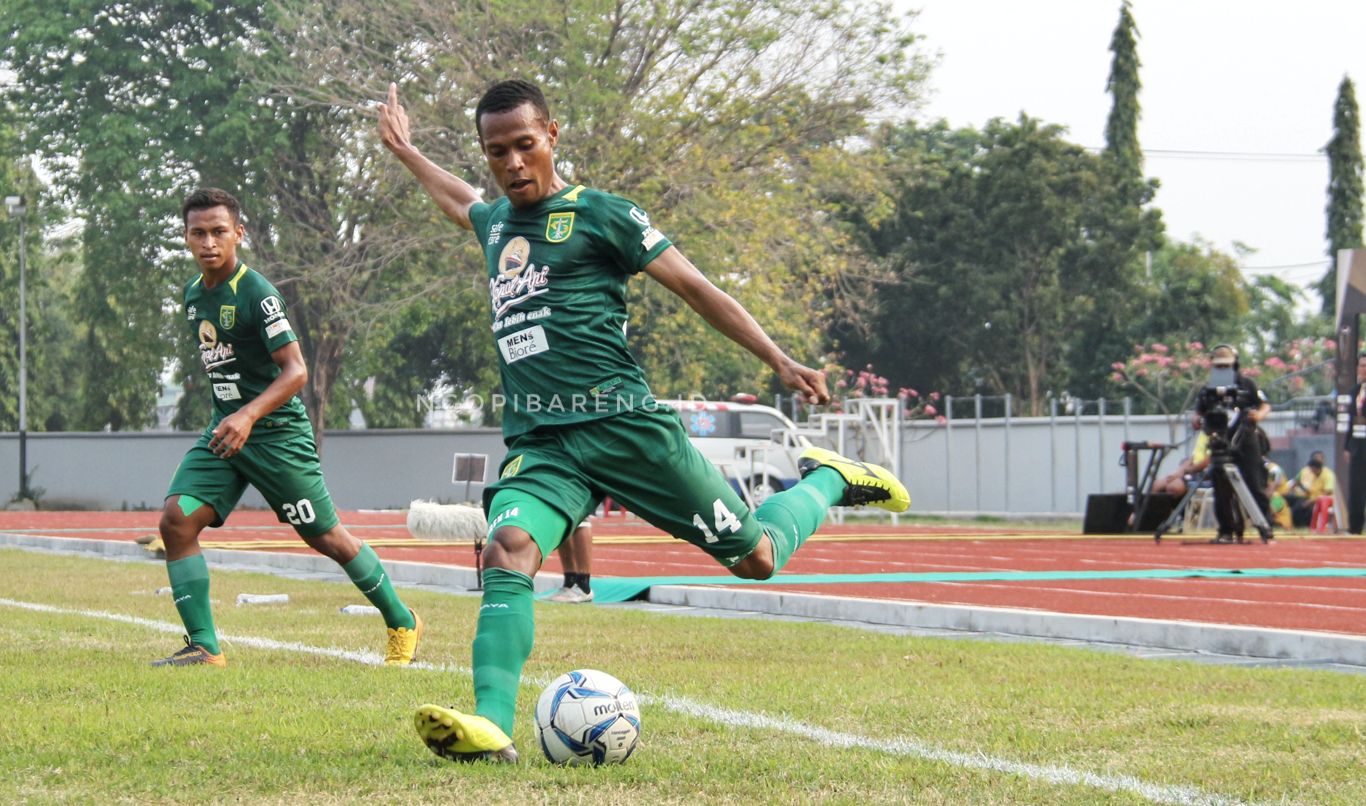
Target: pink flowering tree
865 383
1298 368
1167 376
1164 376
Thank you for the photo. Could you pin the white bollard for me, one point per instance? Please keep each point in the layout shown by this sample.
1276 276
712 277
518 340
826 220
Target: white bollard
262 598
360 610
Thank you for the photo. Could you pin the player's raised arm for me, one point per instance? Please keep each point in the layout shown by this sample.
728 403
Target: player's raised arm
676 273
452 194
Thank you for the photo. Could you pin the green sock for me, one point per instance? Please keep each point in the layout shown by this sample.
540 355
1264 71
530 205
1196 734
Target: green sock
791 516
502 643
367 572
190 589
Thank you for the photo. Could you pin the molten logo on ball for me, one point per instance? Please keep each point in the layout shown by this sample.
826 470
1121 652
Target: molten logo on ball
587 717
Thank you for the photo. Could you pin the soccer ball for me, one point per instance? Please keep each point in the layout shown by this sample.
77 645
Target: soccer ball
587 717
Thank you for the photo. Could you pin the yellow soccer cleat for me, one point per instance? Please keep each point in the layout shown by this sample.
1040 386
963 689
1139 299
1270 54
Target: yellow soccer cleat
402 646
193 655
463 737
869 484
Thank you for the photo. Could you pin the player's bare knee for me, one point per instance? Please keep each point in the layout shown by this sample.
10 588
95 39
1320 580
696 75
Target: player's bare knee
512 548
177 529
758 565
173 522
336 544
754 568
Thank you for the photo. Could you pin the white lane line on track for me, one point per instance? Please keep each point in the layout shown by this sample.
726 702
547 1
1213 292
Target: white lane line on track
1057 774
1102 594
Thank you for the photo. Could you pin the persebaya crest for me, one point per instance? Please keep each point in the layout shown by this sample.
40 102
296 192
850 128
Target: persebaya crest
559 226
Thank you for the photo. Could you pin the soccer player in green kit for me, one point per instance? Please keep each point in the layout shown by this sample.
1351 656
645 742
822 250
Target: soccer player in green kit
579 420
259 435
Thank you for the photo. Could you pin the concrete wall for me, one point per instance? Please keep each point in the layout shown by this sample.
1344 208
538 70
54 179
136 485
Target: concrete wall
364 469
1028 465
1025 465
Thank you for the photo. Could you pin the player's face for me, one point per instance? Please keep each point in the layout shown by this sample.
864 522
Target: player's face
520 148
213 237
1361 369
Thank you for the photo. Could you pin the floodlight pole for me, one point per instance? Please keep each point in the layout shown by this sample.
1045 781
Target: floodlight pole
15 205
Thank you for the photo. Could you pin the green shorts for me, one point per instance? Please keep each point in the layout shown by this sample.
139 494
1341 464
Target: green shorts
287 472
642 459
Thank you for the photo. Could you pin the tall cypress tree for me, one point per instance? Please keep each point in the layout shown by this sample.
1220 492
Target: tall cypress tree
1344 187
1123 227
1121 128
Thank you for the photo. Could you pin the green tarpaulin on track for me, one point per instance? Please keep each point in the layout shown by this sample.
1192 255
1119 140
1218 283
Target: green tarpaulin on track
621 589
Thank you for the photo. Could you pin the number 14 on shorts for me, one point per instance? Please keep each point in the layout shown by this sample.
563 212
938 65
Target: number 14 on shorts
725 521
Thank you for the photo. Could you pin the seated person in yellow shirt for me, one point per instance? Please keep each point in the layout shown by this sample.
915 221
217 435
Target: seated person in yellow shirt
1313 482
1189 472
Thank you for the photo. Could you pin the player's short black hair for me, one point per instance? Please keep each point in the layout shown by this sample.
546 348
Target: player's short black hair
204 198
508 95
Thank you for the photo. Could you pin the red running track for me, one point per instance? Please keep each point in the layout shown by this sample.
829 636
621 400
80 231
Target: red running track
630 548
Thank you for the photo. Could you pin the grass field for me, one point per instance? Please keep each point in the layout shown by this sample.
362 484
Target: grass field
734 711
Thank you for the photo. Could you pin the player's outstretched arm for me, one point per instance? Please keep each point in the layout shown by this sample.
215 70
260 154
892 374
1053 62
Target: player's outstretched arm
676 273
452 194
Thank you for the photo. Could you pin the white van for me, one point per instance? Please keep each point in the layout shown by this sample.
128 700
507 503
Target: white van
755 447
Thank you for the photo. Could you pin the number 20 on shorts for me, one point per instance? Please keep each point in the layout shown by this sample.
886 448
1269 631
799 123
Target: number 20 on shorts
300 513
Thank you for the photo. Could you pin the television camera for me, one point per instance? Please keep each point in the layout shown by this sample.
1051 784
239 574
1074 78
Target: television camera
1223 404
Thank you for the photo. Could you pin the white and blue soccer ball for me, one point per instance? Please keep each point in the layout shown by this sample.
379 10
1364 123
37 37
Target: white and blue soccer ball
587 717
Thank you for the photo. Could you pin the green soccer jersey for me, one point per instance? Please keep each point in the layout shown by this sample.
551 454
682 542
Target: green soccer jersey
239 323
557 285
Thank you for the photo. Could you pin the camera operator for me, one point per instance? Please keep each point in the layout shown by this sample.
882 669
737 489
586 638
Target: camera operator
1228 410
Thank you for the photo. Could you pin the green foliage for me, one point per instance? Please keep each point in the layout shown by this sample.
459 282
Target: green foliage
129 105
1195 293
987 249
1121 127
1273 317
724 121
1122 224
52 341
1344 187
428 357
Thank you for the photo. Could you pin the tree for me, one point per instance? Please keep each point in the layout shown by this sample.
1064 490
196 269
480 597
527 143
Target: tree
911 331
130 105
1344 187
987 248
1167 376
51 340
139 102
1196 294
1122 224
429 356
726 120
1121 127
1272 319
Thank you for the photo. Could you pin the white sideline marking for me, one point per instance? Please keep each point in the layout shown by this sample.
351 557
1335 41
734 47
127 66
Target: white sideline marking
901 746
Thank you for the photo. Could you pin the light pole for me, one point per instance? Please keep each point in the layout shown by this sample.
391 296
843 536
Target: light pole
15 206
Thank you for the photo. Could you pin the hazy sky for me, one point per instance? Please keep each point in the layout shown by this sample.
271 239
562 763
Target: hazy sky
1237 101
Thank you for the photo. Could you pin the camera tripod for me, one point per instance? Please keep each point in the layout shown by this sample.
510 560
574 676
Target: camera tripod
1221 462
